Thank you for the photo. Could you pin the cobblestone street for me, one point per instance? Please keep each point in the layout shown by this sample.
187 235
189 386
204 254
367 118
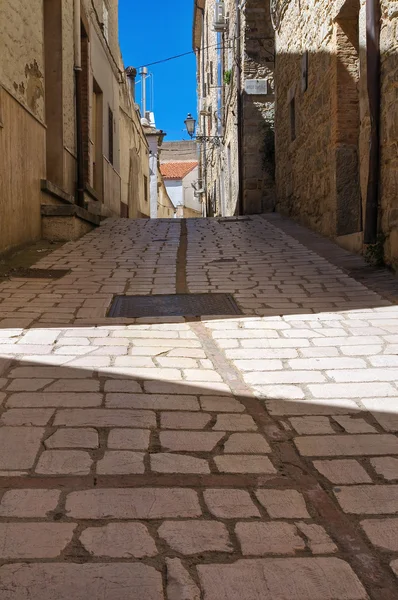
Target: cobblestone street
248 457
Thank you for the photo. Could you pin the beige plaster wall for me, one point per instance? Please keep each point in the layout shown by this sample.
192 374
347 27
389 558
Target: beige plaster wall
166 209
134 156
22 132
21 56
23 155
389 129
68 88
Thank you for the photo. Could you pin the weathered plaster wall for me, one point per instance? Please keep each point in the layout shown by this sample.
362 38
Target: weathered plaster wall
257 109
138 185
252 49
37 138
184 151
190 213
68 87
190 200
22 134
23 154
22 64
105 74
134 155
166 208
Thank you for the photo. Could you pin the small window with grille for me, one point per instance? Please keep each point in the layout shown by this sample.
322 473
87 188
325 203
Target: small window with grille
105 20
292 111
110 135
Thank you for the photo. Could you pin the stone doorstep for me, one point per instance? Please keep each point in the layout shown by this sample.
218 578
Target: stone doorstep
53 190
49 210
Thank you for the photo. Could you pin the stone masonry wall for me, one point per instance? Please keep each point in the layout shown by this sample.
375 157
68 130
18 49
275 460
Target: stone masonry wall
258 110
22 131
21 57
322 166
303 147
255 42
389 129
68 75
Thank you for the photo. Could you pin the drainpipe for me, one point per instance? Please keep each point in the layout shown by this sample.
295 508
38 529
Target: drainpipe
204 148
239 110
78 91
373 16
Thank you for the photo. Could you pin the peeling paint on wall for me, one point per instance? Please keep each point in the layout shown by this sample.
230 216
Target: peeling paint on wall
34 86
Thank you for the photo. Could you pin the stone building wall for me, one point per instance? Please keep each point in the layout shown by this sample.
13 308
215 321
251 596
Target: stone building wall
389 129
68 92
231 58
179 151
302 120
22 64
258 108
38 114
243 54
22 130
134 155
323 123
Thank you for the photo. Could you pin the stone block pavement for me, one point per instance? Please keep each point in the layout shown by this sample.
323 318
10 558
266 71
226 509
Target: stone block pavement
252 457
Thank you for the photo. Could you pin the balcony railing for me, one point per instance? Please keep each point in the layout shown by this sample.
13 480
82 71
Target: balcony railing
278 8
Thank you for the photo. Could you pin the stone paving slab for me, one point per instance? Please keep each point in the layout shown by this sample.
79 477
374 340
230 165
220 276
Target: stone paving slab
250 456
278 579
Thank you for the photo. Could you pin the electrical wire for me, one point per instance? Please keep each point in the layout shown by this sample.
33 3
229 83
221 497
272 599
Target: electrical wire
158 62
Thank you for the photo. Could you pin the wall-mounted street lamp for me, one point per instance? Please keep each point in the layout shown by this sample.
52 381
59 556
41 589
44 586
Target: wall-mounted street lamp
190 124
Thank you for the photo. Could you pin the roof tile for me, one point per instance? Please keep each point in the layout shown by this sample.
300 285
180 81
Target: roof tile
177 170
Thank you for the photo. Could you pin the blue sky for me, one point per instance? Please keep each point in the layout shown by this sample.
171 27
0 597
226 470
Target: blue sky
151 31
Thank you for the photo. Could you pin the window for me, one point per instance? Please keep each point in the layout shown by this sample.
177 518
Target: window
304 72
105 21
110 135
96 137
292 111
146 188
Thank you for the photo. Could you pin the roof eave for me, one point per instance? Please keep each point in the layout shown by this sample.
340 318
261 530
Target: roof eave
197 23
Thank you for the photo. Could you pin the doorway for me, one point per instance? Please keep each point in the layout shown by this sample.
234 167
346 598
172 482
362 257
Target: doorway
346 117
97 138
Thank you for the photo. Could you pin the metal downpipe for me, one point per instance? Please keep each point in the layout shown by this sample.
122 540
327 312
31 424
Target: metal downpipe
373 16
78 94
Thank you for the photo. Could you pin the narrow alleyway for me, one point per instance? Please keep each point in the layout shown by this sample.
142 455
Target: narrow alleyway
248 457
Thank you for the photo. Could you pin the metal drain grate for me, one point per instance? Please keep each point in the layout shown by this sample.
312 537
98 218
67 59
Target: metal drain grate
39 273
233 220
224 260
176 305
